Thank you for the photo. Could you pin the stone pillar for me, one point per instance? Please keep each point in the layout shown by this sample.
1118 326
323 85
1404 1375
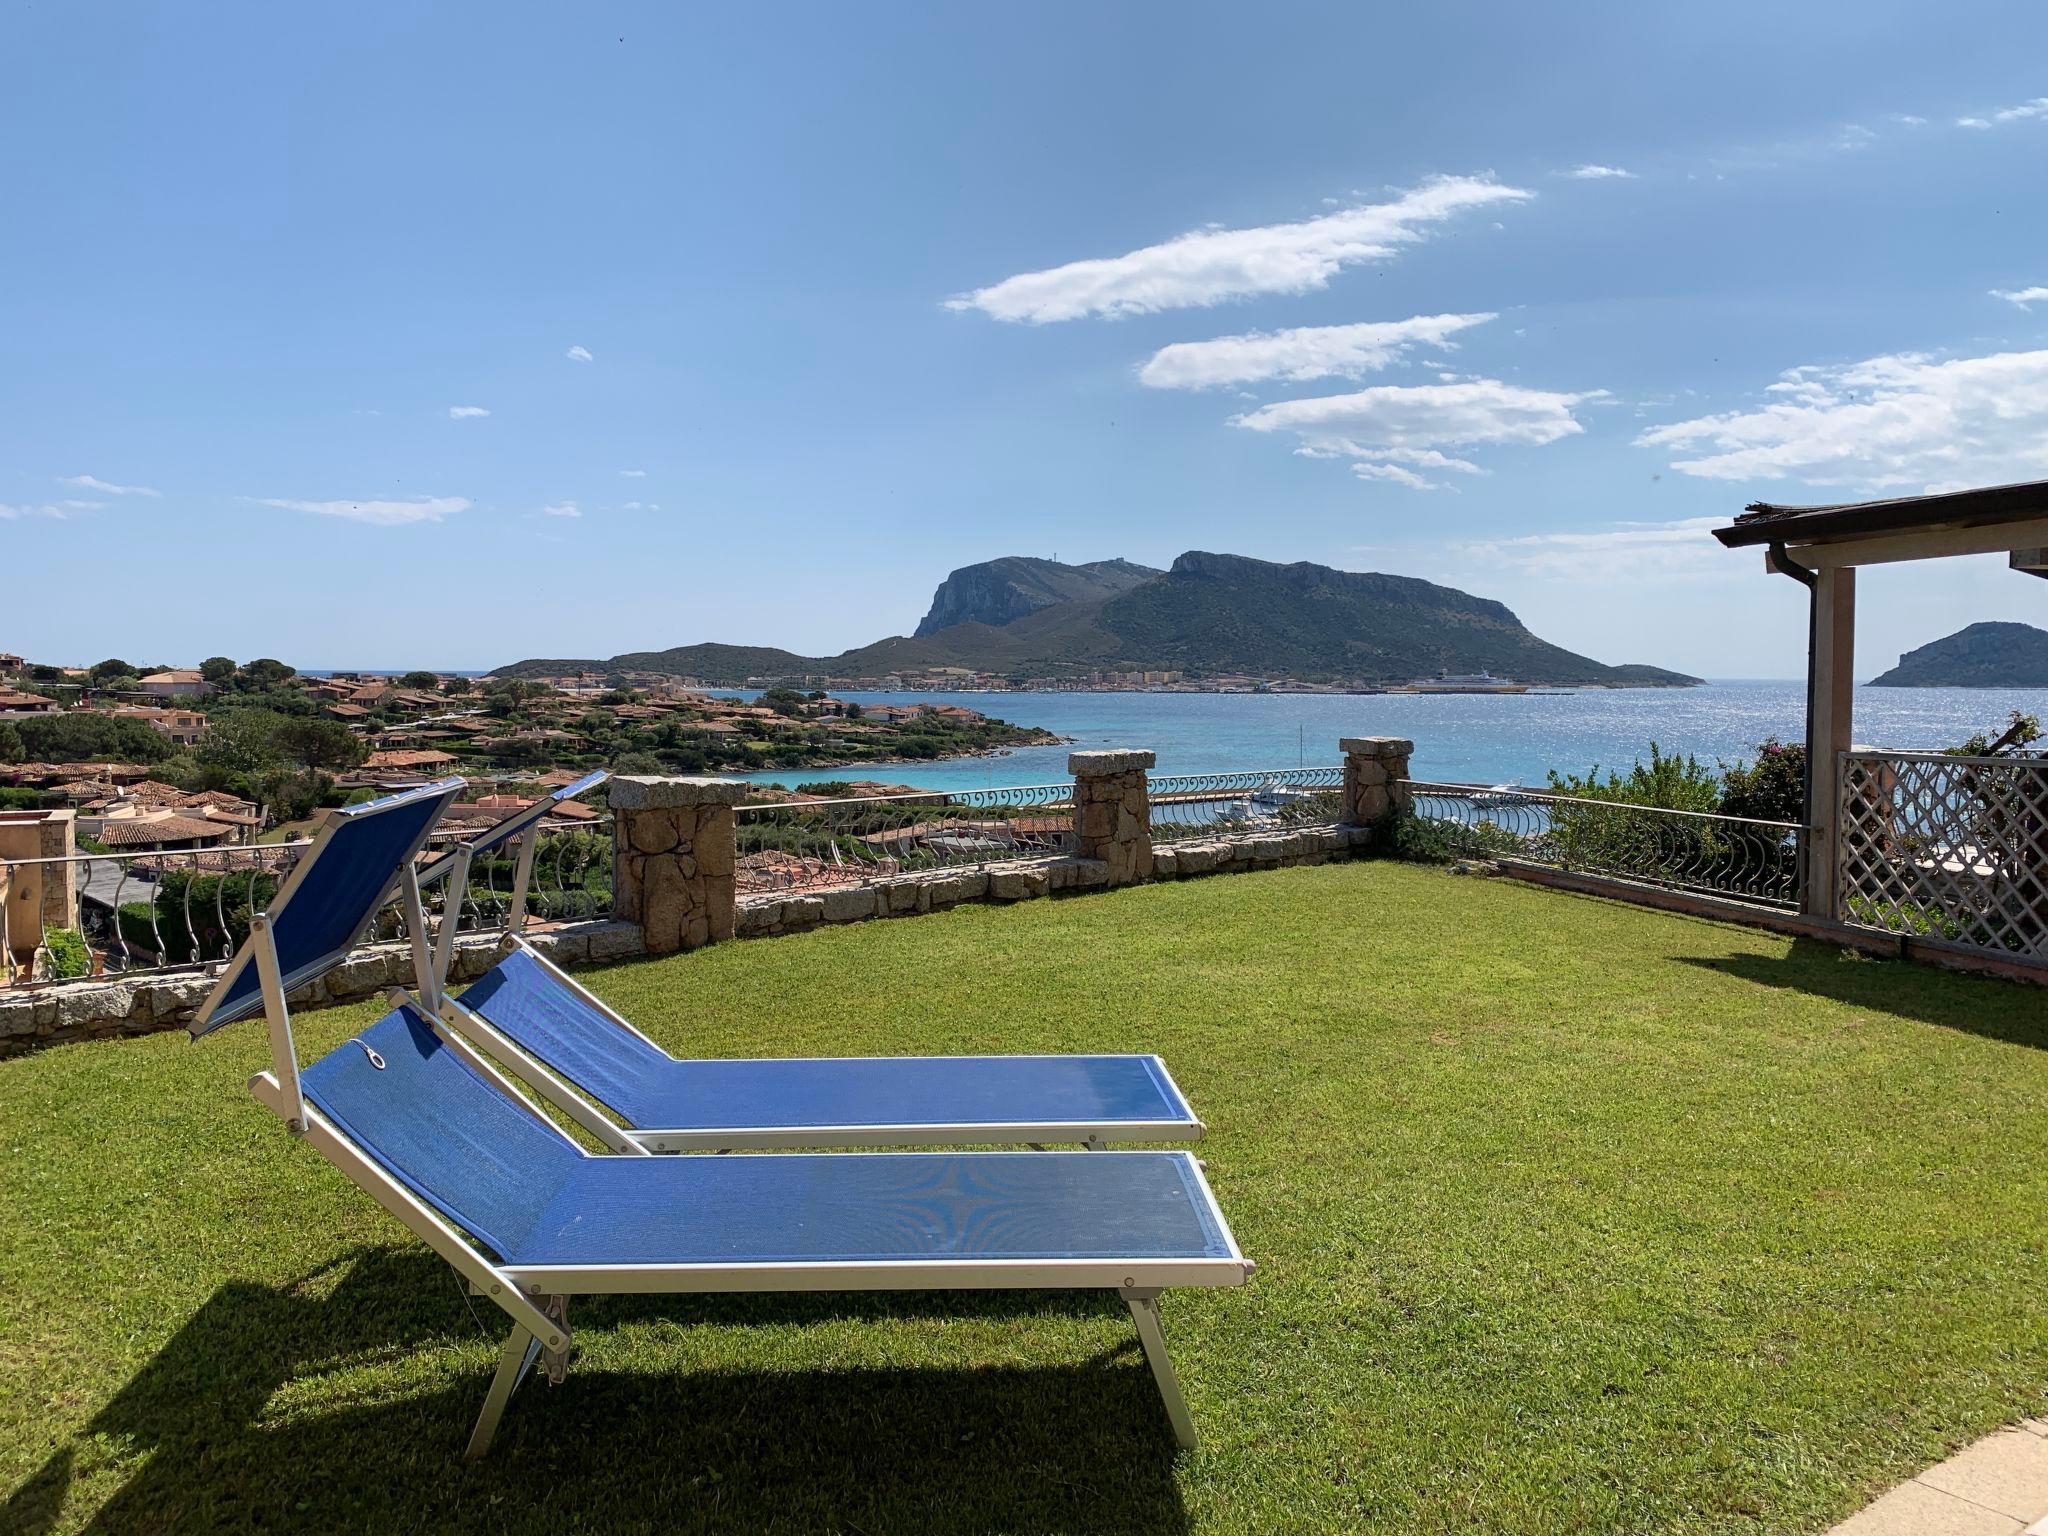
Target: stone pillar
673 859
1375 777
1113 811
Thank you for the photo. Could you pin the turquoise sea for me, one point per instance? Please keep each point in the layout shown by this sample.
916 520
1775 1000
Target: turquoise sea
1462 737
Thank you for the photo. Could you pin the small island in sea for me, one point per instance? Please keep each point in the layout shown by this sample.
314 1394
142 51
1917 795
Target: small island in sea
1210 622
1988 655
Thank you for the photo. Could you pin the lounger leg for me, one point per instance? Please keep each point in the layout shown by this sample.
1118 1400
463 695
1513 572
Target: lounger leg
520 1352
1144 1307
1094 1144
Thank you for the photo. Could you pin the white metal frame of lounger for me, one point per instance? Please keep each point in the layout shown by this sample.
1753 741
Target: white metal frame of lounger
535 1296
464 1027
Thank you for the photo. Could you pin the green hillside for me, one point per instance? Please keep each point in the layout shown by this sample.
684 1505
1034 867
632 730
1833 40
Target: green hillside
1981 656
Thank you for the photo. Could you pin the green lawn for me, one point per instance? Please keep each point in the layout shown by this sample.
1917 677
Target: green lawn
1569 1217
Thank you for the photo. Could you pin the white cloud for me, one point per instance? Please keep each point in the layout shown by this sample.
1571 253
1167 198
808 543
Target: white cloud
45 509
1308 352
1908 120
2025 111
1598 173
383 514
1902 422
634 474
1392 432
1624 551
631 506
1211 266
466 412
94 483
2020 296
562 509
578 354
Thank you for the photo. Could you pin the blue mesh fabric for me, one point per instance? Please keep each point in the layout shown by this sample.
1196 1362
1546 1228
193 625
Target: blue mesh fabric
532 1197
653 1091
339 890
854 1207
452 1138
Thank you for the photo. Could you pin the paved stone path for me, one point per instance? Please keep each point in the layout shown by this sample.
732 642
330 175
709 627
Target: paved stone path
1997 1487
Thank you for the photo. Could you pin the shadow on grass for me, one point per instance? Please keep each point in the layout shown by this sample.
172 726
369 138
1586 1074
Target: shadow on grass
215 1442
1977 1005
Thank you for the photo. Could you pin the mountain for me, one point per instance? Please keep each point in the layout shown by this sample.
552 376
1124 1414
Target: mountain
1209 615
999 592
1981 656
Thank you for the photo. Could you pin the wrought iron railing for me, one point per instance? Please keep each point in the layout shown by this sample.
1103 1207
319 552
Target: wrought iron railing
178 910
1201 805
804 845
1741 857
1952 848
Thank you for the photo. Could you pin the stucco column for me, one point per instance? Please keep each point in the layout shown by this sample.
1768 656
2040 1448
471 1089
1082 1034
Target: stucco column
673 859
1375 777
1113 811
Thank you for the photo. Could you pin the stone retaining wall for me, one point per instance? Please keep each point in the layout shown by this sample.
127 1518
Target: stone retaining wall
109 1006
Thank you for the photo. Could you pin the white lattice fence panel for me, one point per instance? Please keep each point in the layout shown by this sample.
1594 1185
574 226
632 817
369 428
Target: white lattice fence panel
1946 847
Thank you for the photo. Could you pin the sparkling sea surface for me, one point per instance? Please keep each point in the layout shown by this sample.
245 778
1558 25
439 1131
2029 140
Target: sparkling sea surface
1460 737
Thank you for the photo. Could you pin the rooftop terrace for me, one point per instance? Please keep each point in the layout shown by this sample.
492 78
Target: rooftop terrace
1569 1215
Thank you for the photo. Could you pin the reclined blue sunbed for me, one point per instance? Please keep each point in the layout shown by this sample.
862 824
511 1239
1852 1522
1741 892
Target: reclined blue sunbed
568 1047
444 1142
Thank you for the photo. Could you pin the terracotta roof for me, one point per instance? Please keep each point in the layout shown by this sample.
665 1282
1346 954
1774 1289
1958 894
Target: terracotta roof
136 832
426 759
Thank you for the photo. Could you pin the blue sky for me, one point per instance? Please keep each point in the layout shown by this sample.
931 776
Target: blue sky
380 335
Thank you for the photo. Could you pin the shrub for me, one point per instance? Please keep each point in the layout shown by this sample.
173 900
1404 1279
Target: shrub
1773 788
69 955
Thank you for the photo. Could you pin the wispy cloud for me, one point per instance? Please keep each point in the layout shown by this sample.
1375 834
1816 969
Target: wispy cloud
1622 551
2024 112
2021 296
1598 173
1396 432
634 474
1212 266
562 509
578 354
1902 422
50 509
466 412
1308 352
383 514
94 483
1908 120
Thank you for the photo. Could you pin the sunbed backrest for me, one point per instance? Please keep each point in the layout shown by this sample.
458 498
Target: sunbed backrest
537 1012
330 897
429 1120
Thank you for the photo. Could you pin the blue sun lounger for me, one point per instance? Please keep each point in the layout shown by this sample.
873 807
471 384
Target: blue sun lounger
445 1143
593 1065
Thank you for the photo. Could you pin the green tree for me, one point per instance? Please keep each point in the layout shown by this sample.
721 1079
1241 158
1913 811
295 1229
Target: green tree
267 672
419 680
10 743
80 737
316 743
241 742
784 701
2021 730
113 666
217 669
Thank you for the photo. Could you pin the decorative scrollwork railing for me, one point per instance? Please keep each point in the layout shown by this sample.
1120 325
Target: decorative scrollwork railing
802 845
1735 856
1200 805
1942 847
174 910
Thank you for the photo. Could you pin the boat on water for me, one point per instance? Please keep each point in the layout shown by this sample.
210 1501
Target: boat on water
1498 795
1467 682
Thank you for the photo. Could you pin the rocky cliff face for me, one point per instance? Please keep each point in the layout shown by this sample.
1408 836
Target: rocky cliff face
999 592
